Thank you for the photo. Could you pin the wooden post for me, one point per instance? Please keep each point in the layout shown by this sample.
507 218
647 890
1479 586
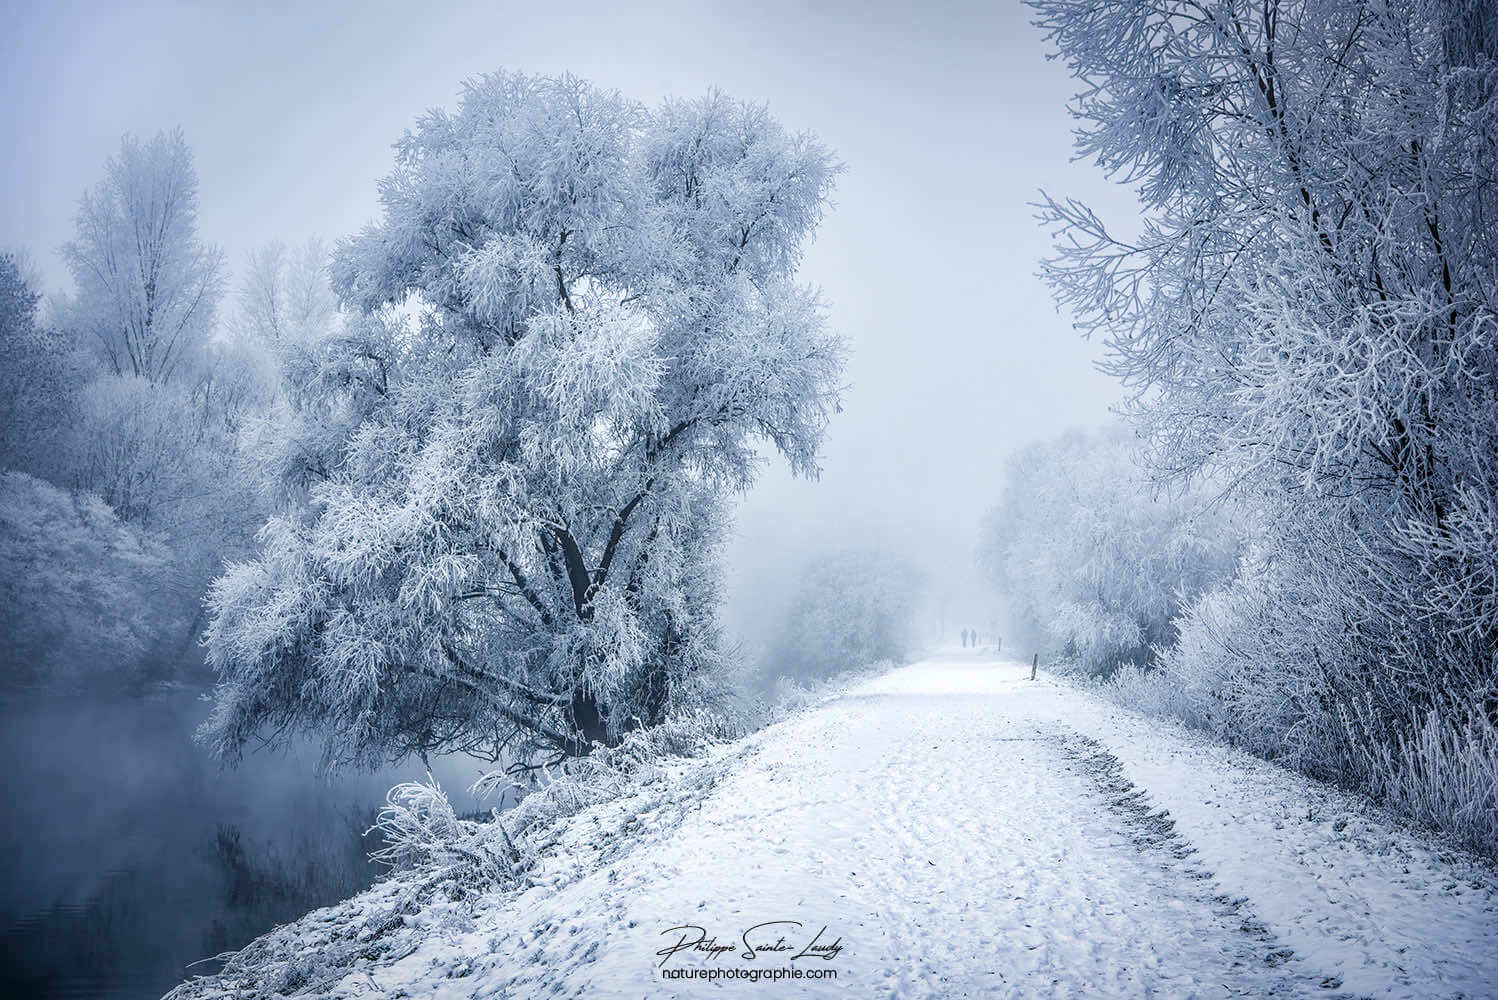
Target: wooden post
1033 665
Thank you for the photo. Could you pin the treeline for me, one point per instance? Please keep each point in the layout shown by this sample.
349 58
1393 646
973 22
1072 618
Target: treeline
143 421
1095 563
1307 317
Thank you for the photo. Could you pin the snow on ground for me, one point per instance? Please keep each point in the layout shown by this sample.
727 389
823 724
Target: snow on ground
953 829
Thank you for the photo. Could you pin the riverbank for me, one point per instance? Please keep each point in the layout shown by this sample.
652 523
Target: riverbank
958 830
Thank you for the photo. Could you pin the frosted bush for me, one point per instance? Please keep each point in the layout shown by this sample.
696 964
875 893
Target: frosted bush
419 830
1445 775
1097 637
1153 691
76 587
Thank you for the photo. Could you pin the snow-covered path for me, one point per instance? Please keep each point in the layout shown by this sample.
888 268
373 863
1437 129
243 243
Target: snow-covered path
961 831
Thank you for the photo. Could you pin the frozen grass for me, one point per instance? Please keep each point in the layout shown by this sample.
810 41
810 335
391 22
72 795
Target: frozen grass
1442 775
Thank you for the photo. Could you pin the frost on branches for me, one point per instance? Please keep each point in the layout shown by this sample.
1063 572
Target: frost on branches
579 319
1312 307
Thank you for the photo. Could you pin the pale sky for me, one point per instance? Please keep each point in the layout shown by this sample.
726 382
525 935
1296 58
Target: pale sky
947 115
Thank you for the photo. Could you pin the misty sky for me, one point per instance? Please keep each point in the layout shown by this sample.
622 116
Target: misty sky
947 117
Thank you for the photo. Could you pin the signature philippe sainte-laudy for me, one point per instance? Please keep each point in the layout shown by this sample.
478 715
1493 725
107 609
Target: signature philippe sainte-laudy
784 939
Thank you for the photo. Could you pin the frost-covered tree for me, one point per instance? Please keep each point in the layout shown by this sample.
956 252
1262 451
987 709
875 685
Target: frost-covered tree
1093 563
850 608
579 319
1311 306
40 372
75 588
153 429
285 296
147 289
305 352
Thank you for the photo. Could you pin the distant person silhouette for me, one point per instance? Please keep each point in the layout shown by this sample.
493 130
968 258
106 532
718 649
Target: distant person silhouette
964 638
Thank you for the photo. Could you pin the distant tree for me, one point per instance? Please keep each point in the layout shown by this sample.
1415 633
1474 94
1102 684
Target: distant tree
40 372
850 608
147 289
155 434
579 318
76 587
329 369
1093 561
285 296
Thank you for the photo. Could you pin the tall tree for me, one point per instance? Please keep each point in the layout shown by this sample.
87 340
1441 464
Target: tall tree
147 289
1311 305
581 319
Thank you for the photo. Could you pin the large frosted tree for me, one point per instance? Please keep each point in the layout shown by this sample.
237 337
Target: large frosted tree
581 320
1311 306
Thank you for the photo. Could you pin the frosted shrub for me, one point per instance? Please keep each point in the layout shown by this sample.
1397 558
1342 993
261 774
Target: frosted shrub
425 839
1098 638
1445 775
1153 691
75 587
419 830
1256 684
138 446
1207 670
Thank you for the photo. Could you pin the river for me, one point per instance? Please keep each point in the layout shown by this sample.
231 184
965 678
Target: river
131 854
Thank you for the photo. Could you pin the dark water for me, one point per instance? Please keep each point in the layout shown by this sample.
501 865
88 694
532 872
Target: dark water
128 854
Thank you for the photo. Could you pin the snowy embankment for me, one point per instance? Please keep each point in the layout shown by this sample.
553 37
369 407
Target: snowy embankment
949 829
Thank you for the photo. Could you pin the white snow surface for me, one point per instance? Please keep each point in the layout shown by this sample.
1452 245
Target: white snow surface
962 831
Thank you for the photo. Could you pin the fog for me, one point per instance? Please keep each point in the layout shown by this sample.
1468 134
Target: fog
265 555
947 118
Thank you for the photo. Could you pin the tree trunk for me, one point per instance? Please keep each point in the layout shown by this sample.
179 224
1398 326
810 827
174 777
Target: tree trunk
657 682
588 723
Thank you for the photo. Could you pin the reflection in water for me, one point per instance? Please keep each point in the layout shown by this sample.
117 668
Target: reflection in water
131 855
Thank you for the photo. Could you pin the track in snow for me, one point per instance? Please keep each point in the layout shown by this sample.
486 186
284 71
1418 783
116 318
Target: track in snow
955 840
962 831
